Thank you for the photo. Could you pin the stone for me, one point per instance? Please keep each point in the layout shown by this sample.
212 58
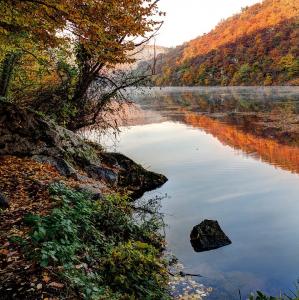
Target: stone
98 172
25 133
61 165
133 176
94 189
4 203
208 235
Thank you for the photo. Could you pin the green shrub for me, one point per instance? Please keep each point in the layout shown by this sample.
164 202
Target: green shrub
98 248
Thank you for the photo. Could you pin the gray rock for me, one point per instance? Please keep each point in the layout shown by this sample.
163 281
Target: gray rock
208 236
4 203
62 166
25 133
94 189
133 176
98 172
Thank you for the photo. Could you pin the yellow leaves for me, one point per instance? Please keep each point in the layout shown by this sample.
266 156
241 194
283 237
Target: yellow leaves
102 27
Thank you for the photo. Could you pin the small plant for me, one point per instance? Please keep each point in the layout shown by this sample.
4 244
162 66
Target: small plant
98 248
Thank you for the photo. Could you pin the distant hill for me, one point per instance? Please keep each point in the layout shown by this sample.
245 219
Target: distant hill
259 46
142 54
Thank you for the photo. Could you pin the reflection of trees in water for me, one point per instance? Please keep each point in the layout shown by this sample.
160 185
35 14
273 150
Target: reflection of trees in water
267 150
216 100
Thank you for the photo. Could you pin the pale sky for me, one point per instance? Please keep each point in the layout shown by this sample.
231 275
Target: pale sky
187 19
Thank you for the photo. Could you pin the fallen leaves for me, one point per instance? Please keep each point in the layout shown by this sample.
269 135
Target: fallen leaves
4 252
25 184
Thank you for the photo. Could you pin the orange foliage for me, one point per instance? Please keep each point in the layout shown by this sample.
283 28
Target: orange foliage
259 16
259 46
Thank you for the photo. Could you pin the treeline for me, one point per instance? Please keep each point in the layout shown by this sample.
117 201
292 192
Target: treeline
267 56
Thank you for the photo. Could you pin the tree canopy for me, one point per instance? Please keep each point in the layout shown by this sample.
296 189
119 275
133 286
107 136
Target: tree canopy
69 44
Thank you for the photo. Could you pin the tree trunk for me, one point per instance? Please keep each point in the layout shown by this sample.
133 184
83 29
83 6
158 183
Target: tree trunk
80 93
7 70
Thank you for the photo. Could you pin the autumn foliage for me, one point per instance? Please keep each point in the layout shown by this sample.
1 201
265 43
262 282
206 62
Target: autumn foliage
259 46
53 52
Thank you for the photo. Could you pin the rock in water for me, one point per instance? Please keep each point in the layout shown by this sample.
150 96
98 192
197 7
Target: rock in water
3 202
208 236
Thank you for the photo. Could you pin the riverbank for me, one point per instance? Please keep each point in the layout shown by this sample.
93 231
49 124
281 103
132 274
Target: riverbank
69 226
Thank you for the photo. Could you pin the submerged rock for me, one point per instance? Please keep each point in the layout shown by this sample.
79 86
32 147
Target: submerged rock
208 236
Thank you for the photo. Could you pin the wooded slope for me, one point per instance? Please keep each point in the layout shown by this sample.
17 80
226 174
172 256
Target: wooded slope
259 46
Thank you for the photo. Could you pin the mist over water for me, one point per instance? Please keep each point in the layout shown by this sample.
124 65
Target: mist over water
213 99
215 171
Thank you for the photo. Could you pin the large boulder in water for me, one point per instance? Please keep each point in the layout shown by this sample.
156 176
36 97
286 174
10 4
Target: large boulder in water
208 236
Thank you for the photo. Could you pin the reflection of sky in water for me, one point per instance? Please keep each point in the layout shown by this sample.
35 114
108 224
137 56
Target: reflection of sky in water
256 204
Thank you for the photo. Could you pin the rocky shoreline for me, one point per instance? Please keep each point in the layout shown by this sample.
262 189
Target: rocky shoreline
25 134
37 156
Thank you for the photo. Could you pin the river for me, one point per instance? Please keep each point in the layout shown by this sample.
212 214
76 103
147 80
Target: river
216 171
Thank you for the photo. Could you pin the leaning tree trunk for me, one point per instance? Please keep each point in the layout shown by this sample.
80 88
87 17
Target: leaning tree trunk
6 74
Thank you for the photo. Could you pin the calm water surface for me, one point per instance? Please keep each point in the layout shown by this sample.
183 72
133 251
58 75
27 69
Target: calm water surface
215 173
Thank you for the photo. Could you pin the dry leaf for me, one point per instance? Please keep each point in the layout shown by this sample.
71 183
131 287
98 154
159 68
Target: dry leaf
56 285
46 278
4 251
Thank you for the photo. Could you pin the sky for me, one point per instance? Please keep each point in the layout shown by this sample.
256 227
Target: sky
188 19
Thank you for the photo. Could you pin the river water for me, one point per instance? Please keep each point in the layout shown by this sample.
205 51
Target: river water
216 171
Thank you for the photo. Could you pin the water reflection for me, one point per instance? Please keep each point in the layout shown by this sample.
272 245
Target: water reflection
218 99
264 149
256 205
221 172
267 150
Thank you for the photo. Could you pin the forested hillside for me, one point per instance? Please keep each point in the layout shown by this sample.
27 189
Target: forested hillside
259 46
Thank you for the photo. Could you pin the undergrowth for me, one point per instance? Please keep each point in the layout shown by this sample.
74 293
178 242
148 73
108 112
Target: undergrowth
98 249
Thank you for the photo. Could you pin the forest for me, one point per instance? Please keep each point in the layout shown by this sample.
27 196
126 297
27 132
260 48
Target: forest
259 46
